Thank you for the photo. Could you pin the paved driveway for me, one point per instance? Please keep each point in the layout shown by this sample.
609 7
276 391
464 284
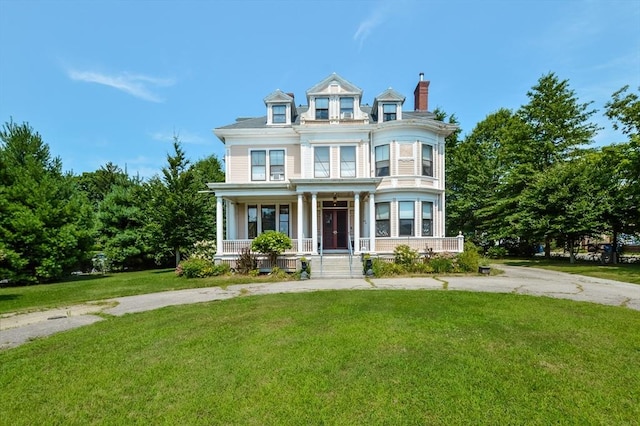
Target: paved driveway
20 328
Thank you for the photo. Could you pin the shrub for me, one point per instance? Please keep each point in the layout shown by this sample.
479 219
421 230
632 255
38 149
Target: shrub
496 252
405 255
469 260
382 268
200 268
279 274
204 250
444 263
271 243
246 262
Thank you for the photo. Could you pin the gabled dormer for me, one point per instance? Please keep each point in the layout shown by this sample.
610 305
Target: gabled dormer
281 108
334 99
387 106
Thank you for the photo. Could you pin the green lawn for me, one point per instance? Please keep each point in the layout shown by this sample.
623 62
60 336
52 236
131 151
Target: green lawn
98 287
629 273
361 357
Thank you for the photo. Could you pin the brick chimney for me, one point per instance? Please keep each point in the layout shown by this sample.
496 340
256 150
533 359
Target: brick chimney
421 95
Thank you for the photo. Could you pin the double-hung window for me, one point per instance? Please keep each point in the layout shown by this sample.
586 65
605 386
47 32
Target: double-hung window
382 160
268 214
427 160
279 114
252 221
383 215
283 220
258 165
389 112
321 162
346 107
405 218
347 161
322 108
427 219
276 164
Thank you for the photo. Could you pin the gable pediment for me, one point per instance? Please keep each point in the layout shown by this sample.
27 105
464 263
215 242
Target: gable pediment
277 96
334 84
390 95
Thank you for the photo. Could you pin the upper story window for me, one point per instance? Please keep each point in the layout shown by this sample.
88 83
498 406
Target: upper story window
389 112
347 161
346 107
427 219
382 160
427 160
321 162
258 165
322 108
275 164
279 114
405 218
383 215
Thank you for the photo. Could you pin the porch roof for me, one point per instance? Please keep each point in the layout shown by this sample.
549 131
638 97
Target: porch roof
294 187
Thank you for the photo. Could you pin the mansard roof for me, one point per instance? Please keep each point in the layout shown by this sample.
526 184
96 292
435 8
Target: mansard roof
323 85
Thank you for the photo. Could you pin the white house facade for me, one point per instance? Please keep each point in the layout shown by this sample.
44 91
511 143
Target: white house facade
336 175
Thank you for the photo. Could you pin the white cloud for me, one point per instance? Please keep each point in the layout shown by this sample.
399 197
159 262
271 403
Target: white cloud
373 20
133 84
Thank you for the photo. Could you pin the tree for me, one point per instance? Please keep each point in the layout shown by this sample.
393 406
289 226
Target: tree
565 203
180 215
45 222
99 183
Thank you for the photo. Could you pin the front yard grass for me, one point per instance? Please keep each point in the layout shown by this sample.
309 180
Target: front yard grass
624 272
87 288
342 357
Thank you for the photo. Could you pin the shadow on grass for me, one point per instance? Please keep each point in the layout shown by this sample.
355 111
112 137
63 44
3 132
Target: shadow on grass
5 297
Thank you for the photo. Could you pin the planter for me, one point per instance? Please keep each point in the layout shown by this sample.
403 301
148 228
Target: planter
484 270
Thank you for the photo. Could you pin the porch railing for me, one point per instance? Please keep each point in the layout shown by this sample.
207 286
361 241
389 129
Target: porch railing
383 245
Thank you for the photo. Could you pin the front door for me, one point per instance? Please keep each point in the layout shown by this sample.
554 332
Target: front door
335 229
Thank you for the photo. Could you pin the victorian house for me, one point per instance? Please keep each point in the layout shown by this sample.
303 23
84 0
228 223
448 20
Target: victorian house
338 176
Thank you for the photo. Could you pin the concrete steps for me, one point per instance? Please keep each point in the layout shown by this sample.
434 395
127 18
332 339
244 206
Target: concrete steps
335 266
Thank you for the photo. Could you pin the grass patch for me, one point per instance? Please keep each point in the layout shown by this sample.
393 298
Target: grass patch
98 287
629 273
364 357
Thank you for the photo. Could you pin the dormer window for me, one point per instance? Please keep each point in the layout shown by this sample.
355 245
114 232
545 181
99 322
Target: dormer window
389 112
322 108
346 108
279 114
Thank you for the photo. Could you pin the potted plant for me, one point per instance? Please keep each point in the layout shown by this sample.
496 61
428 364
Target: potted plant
484 268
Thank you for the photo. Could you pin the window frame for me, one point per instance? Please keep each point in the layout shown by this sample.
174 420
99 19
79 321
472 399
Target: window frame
383 224
346 172
389 116
316 163
379 162
426 231
322 113
426 164
406 222
264 209
279 117
272 165
252 231
346 108
257 166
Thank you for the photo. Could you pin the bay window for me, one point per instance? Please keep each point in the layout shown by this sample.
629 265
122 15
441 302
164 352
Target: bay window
405 218
383 216
427 160
427 219
382 160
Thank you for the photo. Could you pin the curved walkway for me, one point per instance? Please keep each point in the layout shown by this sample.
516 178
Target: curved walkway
16 329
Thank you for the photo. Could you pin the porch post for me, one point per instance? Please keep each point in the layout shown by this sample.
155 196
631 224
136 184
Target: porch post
219 226
356 225
372 222
314 223
231 218
300 233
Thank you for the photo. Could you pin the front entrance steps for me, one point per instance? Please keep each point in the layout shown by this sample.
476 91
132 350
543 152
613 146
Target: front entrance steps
335 266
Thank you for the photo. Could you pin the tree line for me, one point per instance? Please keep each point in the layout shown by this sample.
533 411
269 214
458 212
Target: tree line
528 177
53 223
519 178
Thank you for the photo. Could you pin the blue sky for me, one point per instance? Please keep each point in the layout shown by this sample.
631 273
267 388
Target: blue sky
115 80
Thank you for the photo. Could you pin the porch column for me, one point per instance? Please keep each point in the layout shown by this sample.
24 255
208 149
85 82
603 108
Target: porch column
231 219
300 233
372 222
219 226
314 223
356 225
